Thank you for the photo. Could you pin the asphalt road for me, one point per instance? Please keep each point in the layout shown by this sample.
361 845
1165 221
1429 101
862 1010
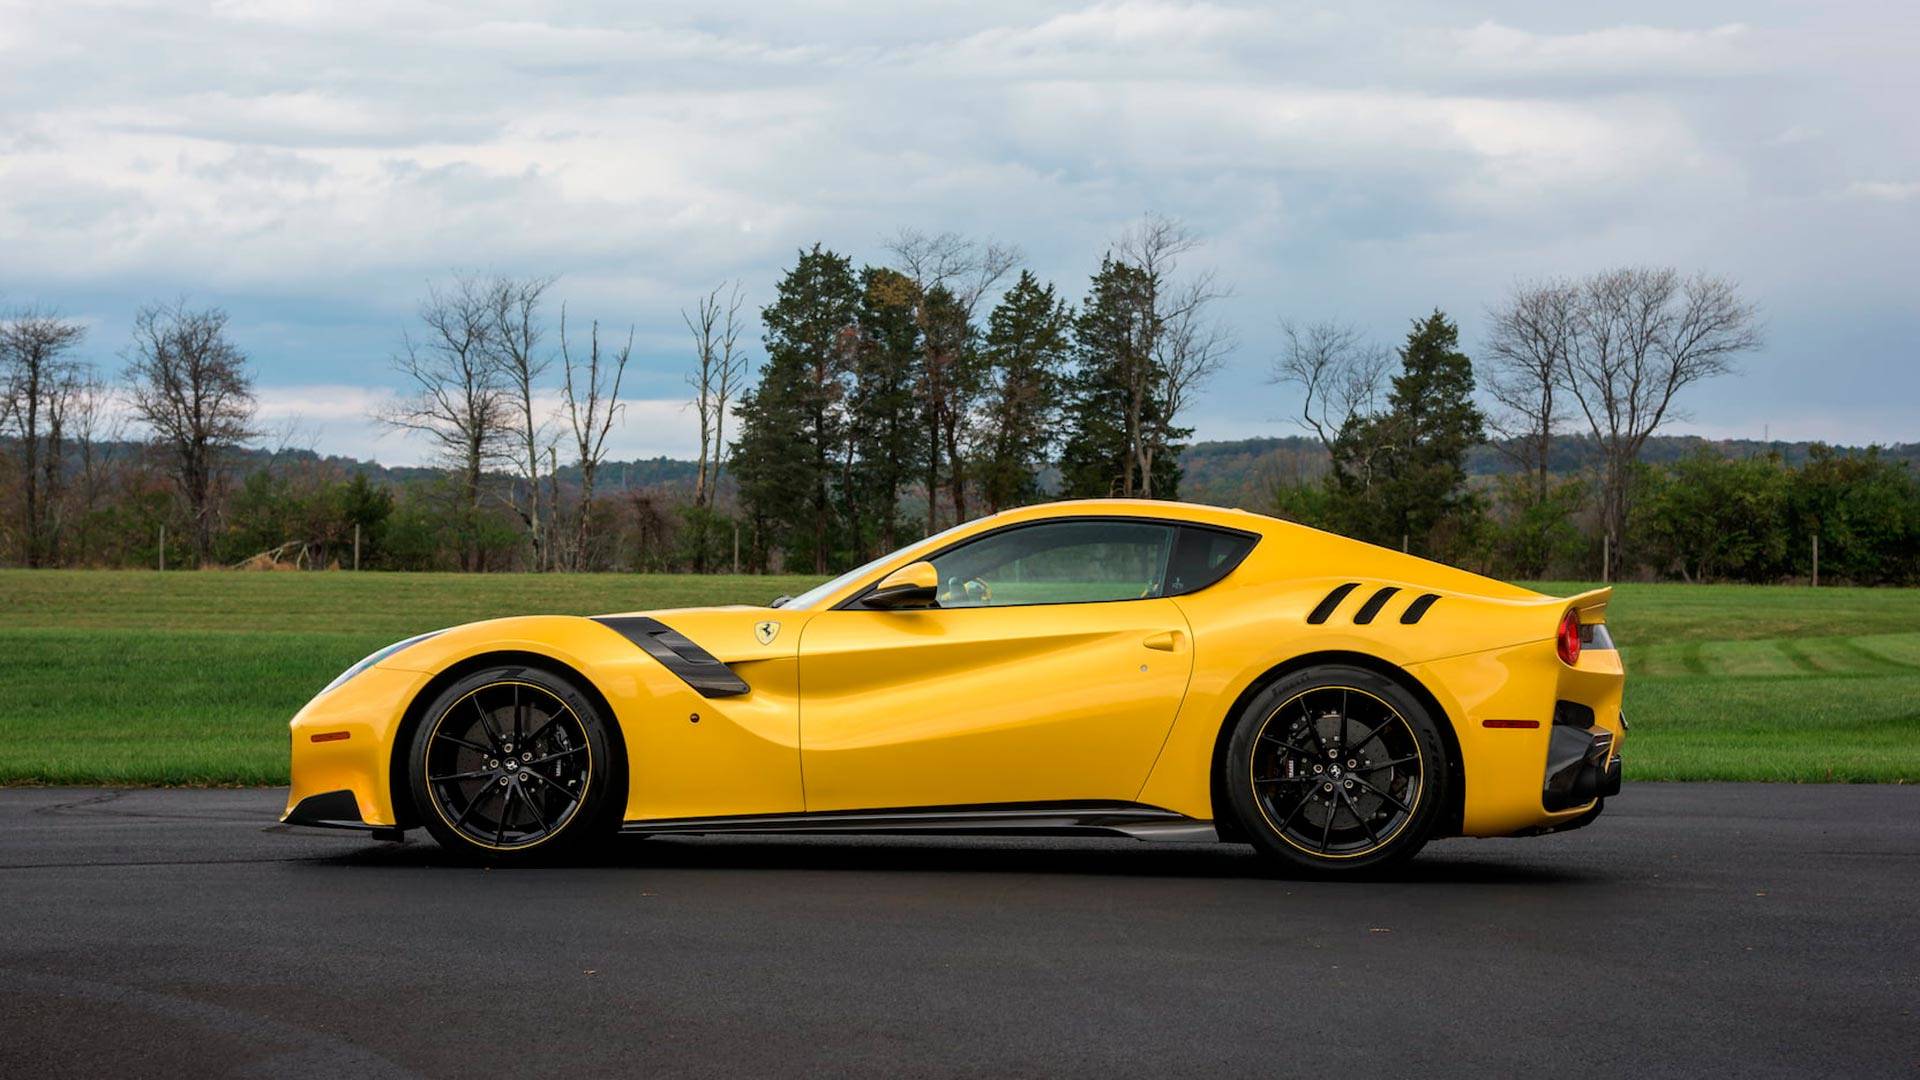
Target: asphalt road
1694 929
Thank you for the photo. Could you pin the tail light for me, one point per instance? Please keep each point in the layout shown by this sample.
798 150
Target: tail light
1567 641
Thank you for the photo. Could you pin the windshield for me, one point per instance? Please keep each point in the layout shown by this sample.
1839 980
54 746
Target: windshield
820 592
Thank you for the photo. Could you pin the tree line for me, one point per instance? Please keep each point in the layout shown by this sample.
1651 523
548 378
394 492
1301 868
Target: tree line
888 400
184 383
886 382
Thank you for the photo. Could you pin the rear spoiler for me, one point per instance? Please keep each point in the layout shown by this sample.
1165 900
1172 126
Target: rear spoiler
1592 604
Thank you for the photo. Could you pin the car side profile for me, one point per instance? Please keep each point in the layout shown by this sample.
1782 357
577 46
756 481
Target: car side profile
1158 670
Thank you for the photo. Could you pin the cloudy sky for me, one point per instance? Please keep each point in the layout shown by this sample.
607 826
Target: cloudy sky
310 165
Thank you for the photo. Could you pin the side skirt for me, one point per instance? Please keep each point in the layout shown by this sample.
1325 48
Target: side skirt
1045 819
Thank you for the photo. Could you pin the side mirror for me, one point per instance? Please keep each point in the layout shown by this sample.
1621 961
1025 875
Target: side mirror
915 585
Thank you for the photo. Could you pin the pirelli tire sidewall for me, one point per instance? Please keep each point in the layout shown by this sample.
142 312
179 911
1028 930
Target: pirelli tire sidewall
1254 823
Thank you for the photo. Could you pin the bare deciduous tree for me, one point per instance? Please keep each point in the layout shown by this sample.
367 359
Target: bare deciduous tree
189 385
1192 349
591 392
1183 347
41 384
1340 375
515 338
1529 340
962 271
458 400
720 363
1643 335
96 427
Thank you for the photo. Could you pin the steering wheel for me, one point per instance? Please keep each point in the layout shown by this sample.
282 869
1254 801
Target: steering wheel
971 593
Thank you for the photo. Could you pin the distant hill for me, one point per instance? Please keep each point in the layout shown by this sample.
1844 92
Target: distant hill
658 472
1241 472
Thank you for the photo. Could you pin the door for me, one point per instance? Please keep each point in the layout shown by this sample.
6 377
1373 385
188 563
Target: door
1050 670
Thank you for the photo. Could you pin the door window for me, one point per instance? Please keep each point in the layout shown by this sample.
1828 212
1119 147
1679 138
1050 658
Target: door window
1064 562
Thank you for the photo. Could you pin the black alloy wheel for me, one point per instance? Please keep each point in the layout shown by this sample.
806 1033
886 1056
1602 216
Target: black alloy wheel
510 761
1337 769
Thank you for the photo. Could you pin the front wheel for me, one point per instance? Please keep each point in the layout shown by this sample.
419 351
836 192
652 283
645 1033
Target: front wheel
1336 769
513 763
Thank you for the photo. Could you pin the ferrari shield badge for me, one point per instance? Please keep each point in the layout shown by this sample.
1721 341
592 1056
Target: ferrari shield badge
765 631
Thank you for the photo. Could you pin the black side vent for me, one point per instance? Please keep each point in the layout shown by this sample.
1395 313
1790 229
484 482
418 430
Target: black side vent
1418 608
1324 610
696 666
1373 605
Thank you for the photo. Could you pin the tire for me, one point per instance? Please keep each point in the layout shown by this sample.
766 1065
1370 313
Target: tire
487 797
1336 770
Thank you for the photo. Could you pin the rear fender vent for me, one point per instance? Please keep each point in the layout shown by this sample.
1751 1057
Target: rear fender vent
1324 610
1374 603
1418 608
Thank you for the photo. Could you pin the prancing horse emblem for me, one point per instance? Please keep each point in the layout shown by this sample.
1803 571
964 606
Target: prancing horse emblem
765 631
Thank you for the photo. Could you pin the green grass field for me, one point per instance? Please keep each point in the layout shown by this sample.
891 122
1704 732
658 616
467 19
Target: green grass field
188 678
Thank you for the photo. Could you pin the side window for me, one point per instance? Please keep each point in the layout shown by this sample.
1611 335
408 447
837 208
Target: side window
1067 562
1202 556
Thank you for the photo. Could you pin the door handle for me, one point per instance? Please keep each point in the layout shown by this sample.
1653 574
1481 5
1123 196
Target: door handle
1164 641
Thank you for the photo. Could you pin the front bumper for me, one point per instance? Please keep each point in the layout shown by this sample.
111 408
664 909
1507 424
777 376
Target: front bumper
335 810
342 752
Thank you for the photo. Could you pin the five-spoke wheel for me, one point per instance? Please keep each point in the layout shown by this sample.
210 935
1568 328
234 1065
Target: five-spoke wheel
508 760
1336 768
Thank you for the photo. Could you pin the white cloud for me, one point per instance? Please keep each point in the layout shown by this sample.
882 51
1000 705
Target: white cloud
1884 190
337 419
1124 40
322 403
1479 153
1495 48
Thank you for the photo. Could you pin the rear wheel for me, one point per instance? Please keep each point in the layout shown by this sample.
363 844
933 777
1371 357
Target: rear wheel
513 763
1337 769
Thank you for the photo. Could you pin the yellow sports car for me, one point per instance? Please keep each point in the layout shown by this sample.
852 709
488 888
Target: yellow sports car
1153 669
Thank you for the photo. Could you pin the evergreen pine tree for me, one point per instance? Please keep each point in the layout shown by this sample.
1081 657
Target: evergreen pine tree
949 385
1112 398
1026 348
789 458
883 413
1435 423
1402 474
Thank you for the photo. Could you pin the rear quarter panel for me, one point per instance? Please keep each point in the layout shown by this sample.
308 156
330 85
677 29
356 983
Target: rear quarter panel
1506 767
1482 648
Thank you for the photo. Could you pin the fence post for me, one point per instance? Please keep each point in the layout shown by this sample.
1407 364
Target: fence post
1816 560
356 545
163 549
736 547
1606 558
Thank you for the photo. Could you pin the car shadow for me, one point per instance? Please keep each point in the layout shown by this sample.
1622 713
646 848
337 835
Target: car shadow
954 855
